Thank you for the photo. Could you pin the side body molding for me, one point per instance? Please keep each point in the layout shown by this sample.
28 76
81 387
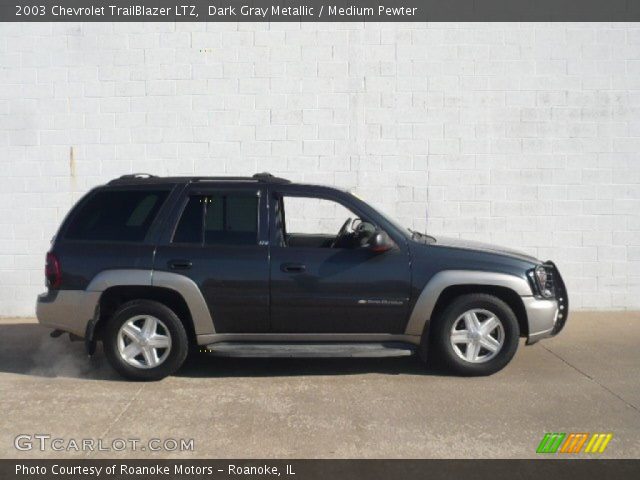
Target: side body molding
202 321
421 314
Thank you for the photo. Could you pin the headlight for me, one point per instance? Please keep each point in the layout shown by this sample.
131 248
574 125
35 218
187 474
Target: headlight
542 278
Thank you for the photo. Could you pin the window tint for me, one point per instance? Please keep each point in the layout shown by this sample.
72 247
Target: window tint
142 211
117 215
228 219
189 228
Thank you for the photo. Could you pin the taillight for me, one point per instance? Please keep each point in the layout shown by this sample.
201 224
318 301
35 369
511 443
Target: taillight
52 271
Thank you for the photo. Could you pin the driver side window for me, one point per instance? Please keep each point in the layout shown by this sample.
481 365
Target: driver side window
315 222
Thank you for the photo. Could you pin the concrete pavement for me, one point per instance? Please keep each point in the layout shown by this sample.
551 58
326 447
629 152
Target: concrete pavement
585 380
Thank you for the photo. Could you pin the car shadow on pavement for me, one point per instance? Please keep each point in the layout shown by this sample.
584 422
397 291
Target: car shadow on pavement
28 349
203 365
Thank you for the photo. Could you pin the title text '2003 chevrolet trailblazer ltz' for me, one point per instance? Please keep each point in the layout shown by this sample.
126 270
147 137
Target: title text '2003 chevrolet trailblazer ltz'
151 266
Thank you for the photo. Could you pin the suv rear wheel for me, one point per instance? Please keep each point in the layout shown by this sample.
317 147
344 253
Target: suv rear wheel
145 340
476 335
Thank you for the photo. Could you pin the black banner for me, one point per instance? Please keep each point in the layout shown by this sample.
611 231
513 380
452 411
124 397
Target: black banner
319 469
318 10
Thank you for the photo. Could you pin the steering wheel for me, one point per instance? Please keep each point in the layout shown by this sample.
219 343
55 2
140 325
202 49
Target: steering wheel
341 233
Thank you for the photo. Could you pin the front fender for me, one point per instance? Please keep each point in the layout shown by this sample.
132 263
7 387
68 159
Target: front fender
423 308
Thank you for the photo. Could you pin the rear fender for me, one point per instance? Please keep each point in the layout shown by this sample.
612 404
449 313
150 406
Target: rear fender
187 288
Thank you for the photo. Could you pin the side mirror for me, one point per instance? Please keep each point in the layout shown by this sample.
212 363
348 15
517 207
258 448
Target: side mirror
381 242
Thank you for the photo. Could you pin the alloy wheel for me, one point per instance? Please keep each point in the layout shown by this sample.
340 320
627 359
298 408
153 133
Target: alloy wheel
144 341
477 336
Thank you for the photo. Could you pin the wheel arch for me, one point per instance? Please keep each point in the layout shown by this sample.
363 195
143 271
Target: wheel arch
507 295
115 296
177 292
446 285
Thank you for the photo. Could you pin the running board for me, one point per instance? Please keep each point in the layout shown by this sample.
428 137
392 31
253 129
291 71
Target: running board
310 350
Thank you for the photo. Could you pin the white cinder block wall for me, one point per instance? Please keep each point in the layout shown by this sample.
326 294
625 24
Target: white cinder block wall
526 135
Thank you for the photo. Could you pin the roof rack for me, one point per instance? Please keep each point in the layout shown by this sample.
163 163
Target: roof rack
219 179
267 177
136 175
263 177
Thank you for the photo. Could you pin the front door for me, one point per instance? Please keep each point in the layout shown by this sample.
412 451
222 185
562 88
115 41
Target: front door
217 242
322 282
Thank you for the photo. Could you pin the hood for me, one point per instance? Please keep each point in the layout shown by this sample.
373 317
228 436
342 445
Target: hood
482 247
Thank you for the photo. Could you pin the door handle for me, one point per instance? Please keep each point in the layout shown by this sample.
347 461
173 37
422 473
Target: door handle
293 267
179 264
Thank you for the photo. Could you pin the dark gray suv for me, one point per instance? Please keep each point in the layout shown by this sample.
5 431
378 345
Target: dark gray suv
152 266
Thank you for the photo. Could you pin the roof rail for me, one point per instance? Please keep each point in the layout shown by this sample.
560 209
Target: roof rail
146 177
136 175
220 179
267 177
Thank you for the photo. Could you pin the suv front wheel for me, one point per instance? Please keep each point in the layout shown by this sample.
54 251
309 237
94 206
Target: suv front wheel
476 335
145 340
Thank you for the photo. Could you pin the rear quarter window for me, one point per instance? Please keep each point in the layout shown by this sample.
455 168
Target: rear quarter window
116 215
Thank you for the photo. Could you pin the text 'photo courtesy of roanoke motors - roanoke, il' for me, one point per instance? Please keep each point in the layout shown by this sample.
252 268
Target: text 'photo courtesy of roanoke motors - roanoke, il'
368 239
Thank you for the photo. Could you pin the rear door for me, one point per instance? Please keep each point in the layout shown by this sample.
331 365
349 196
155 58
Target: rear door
218 239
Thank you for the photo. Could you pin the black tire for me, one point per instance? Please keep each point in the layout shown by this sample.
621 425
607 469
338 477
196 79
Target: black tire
178 335
441 328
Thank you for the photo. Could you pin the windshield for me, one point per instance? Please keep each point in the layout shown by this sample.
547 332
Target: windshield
407 231
389 219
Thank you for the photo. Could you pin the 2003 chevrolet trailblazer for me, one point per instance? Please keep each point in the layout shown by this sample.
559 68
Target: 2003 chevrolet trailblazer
151 266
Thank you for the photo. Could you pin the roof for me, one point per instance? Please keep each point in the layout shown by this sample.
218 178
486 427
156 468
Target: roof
146 178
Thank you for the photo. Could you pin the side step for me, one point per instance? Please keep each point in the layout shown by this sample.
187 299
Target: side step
310 350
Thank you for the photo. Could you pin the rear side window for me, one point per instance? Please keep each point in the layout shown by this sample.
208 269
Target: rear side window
117 215
219 219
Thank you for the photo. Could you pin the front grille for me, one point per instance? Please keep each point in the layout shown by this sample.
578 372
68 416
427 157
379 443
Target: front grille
556 284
